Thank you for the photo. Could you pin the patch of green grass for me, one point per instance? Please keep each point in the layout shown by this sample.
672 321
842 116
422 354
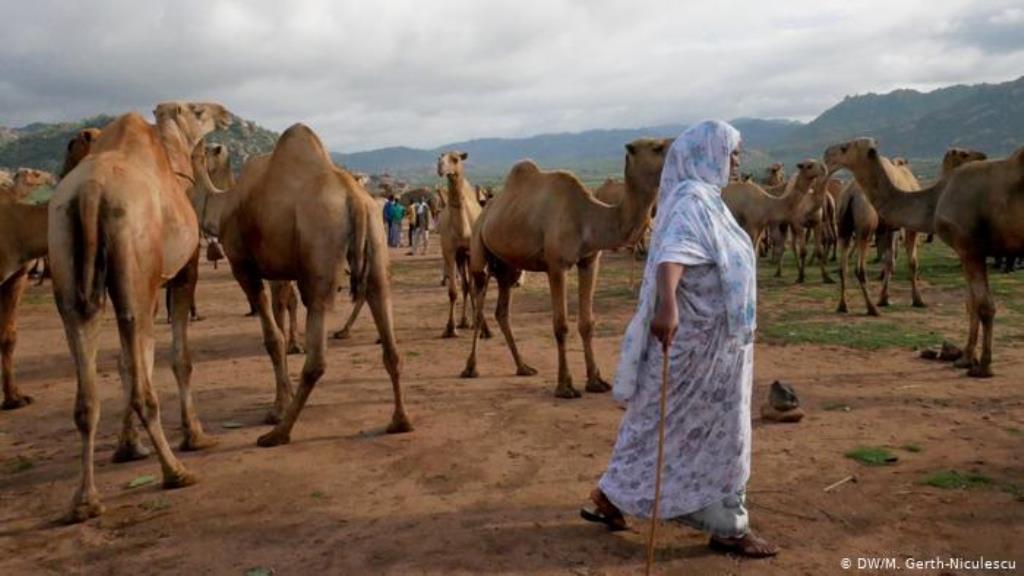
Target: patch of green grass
318 495
872 456
155 505
835 406
860 335
953 480
20 464
1014 431
912 448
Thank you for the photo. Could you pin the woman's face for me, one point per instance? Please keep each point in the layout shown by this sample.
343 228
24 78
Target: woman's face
734 164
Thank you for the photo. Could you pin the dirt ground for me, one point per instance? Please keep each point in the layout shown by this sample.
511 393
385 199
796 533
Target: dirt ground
493 476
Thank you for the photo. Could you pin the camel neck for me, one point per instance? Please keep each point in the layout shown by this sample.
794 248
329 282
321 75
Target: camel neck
177 146
623 223
911 209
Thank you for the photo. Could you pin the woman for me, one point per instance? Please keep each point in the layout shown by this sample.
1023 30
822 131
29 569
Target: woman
698 298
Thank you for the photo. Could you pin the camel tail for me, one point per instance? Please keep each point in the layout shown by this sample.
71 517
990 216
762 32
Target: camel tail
90 263
362 251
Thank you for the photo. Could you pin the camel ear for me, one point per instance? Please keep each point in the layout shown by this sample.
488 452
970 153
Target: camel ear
71 145
659 148
630 149
87 135
463 155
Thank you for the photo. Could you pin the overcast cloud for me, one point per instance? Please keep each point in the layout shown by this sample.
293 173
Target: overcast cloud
425 73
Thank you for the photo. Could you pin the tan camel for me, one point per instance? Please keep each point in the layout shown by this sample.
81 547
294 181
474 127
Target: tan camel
977 209
23 232
25 181
758 213
294 216
774 176
455 224
121 223
550 222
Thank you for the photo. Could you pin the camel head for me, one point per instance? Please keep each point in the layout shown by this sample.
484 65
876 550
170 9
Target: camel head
78 148
644 160
194 119
900 161
450 164
850 154
30 179
776 173
810 170
957 157
217 157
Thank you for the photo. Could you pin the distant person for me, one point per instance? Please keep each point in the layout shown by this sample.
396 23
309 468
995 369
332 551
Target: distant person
421 235
698 302
387 218
397 216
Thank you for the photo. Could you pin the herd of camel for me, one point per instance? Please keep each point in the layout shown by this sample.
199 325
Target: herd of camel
133 199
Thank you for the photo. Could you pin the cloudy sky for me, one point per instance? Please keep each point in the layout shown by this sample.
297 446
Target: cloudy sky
368 74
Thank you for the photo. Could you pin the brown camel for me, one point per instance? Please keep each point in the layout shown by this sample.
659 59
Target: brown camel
774 177
461 209
976 209
294 216
121 223
549 222
78 148
835 158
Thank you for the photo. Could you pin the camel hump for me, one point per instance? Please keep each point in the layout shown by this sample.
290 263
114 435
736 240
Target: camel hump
301 147
126 132
524 169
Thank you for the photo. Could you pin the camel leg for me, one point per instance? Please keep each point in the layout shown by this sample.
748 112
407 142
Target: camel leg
886 250
284 300
346 330
915 273
588 280
453 295
273 341
800 251
981 311
560 323
844 268
137 349
862 276
463 267
379 298
820 252
312 370
10 297
81 334
778 248
479 295
183 292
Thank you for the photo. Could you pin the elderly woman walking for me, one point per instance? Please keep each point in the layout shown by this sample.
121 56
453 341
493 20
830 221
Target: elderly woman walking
698 301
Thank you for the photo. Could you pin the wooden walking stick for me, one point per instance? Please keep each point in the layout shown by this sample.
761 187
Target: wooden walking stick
661 456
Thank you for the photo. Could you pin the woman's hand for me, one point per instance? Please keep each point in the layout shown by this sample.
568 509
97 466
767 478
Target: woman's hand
666 312
665 321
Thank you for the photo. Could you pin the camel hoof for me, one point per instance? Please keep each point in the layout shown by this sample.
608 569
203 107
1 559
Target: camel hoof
82 511
597 385
179 479
341 335
197 442
485 333
469 372
295 350
130 452
827 280
919 304
799 280
463 324
873 312
400 424
842 309
883 303
450 332
567 391
198 318
525 370
979 371
273 438
17 401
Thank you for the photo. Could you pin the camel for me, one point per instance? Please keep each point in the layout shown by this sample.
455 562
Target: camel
461 209
799 206
550 222
78 148
294 216
774 176
121 224
25 181
976 209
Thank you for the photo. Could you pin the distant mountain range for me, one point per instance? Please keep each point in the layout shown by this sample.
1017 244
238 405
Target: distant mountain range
920 126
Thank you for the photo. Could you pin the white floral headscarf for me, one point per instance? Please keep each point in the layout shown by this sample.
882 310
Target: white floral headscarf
694 224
